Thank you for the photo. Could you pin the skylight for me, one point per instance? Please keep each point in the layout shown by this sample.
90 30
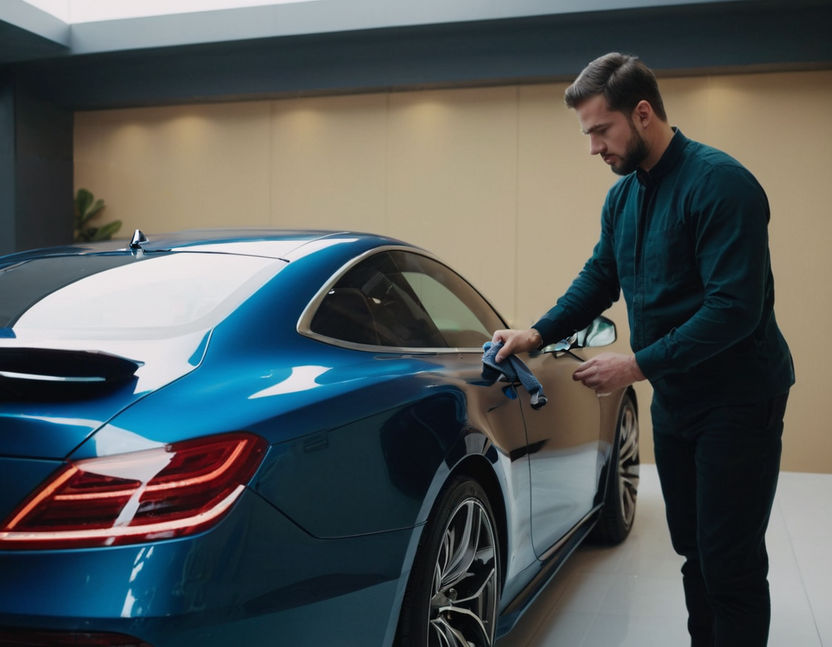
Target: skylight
78 11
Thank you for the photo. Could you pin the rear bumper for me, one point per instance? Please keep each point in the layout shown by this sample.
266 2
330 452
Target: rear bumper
253 579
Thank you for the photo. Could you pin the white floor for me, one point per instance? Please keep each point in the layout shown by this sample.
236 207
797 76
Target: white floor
631 595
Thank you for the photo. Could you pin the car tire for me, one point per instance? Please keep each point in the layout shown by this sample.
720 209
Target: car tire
619 509
454 585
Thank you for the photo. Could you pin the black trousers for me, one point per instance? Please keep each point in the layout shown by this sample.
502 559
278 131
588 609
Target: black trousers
718 471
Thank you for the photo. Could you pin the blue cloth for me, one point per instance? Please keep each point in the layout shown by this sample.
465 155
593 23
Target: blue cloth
514 369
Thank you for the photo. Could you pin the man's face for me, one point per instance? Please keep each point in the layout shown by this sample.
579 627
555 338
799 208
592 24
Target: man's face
612 135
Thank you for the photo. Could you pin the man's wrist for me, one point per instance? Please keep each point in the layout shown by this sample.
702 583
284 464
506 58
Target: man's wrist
535 338
635 370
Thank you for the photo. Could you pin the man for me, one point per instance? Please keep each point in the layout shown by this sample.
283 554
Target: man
684 237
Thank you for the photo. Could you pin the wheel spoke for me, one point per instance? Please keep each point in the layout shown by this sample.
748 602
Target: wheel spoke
629 443
464 625
441 634
444 635
472 585
628 502
464 551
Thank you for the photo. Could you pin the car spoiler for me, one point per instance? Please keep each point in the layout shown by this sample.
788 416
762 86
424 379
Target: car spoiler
44 373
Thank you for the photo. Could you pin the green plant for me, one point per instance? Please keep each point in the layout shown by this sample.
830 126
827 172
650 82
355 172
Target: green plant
87 208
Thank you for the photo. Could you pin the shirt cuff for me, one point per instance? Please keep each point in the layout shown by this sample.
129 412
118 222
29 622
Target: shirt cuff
652 361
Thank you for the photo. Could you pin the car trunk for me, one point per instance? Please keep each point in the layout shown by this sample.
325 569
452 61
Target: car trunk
54 397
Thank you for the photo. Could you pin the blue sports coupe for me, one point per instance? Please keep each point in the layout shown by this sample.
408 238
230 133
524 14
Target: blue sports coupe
256 438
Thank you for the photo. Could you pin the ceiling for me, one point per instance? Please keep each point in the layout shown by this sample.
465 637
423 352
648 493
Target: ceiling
334 46
37 29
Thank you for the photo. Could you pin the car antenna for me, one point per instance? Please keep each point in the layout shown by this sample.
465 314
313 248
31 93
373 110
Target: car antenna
138 239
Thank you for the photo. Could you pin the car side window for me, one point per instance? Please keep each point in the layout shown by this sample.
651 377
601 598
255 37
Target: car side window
406 300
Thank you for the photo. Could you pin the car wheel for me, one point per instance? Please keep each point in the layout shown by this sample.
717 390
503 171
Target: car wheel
622 484
451 597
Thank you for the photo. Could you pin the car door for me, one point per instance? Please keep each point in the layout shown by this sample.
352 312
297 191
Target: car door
406 303
465 321
565 453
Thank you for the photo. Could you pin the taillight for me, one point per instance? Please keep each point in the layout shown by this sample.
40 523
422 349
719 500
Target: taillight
162 493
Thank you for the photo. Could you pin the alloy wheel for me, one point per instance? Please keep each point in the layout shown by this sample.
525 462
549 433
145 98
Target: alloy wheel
463 603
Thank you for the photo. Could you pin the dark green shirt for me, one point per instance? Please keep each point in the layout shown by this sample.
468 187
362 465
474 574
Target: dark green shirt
687 245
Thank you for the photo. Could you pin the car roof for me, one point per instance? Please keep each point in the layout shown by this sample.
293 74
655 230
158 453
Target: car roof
287 244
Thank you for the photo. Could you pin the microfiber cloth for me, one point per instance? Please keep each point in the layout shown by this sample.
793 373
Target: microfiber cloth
514 369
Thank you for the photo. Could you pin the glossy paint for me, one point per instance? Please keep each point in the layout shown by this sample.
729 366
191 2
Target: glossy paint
361 441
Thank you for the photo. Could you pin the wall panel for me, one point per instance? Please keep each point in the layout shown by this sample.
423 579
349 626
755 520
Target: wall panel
452 181
160 169
329 163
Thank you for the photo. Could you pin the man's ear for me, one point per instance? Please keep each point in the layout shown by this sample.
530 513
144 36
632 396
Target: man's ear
643 113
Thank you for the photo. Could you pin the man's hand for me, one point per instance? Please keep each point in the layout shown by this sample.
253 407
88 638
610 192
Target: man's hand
607 372
516 341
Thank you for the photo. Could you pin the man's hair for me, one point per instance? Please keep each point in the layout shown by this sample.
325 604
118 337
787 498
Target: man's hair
623 80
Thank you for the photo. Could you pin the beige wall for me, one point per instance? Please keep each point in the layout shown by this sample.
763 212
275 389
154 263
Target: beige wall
497 181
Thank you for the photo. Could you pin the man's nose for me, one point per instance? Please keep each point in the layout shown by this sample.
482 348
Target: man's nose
596 146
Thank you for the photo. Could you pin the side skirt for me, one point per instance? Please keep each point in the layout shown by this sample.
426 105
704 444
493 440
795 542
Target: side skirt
550 563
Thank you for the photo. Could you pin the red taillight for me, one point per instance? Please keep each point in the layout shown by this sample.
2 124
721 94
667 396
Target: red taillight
141 496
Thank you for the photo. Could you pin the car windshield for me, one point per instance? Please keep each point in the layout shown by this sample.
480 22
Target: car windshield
122 296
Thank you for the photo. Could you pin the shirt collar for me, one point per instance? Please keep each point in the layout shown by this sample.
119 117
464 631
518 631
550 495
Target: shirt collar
666 162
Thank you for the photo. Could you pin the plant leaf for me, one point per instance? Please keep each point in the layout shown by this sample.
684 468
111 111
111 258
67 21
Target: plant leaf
105 232
83 200
94 209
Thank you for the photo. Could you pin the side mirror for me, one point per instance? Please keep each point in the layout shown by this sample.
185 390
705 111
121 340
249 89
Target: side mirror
601 332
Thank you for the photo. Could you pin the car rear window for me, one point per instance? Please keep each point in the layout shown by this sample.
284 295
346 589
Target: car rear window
121 296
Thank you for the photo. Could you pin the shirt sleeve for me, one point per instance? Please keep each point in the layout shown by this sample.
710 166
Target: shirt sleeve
729 222
593 291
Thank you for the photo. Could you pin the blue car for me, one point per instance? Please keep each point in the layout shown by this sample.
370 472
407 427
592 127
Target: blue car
272 438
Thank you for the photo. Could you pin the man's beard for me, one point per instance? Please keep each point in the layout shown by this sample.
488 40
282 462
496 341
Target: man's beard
635 154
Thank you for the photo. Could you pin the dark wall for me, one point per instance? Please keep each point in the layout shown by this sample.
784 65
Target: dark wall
44 199
8 219
36 205
712 38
